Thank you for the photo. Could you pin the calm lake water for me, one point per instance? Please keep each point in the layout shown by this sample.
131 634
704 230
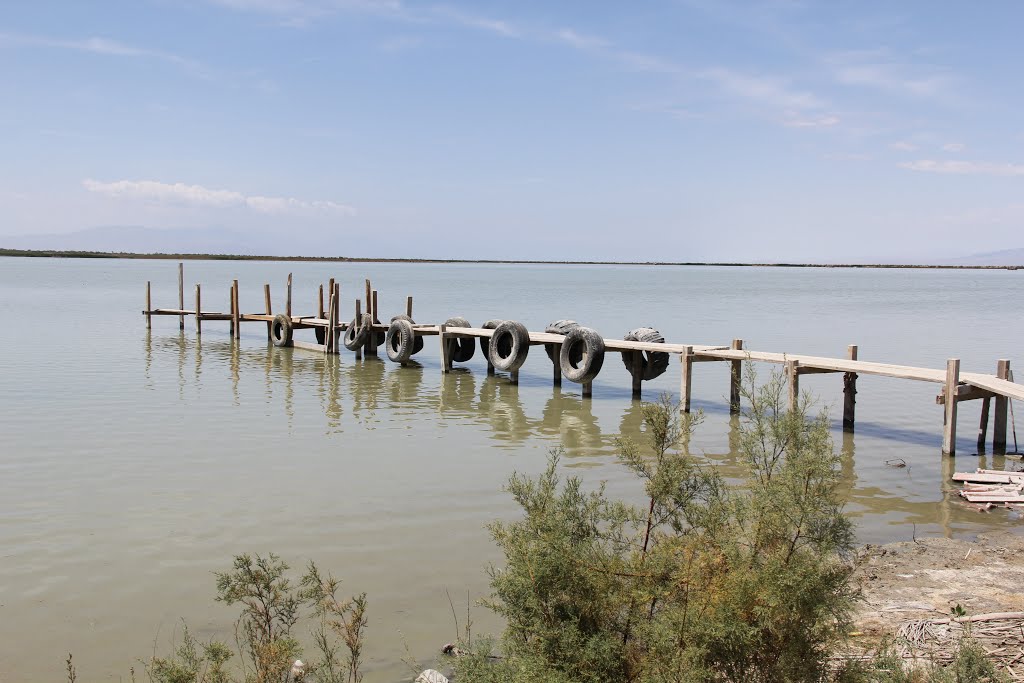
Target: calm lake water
134 464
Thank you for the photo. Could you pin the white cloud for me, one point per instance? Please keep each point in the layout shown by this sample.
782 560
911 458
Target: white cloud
94 45
965 167
815 122
180 194
954 147
903 146
766 90
579 40
881 70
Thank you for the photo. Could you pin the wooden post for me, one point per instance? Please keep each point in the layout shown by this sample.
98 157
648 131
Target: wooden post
983 425
357 322
231 310
556 363
371 339
849 391
735 379
236 323
513 377
320 303
268 308
149 307
949 430
446 363
588 390
999 420
638 373
369 297
181 295
686 379
199 311
288 298
333 333
408 306
793 375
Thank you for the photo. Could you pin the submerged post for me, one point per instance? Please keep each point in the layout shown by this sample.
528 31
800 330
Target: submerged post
949 429
320 303
356 324
588 389
149 307
849 391
199 312
556 364
685 378
793 376
999 421
371 339
181 295
735 379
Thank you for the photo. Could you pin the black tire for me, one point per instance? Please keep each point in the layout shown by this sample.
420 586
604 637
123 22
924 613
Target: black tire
281 330
400 340
485 342
558 327
460 349
652 363
509 346
418 344
378 334
355 335
321 334
582 355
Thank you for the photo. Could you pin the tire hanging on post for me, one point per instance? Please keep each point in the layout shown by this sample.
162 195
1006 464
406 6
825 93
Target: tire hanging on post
418 343
281 330
558 327
355 335
509 346
652 363
460 349
582 355
400 340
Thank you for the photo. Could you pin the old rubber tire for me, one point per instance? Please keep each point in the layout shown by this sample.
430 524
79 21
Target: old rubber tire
355 335
485 342
582 355
400 340
558 327
509 346
652 363
418 344
460 349
321 334
281 330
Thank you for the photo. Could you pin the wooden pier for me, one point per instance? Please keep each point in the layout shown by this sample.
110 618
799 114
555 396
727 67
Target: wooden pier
584 351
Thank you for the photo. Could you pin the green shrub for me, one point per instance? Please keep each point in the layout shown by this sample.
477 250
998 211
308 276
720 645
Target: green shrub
703 583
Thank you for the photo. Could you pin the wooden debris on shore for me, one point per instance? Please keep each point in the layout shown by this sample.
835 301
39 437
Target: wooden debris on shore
999 634
992 487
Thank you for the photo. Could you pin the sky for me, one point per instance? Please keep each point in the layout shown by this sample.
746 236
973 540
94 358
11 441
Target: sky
660 130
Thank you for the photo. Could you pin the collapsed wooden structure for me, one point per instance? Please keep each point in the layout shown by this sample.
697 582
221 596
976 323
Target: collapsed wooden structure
578 353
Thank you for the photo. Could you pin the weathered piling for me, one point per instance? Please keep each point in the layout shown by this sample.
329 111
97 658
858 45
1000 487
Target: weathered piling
999 420
849 392
181 296
949 425
735 379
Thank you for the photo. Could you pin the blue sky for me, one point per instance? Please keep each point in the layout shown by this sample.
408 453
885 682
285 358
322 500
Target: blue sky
662 130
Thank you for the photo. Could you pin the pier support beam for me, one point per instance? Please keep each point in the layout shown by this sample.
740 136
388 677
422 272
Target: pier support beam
446 360
637 374
149 307
999 420
288 298
235 312
685 378
408 306
181 295
268 309
949 428
357 322
983 424
793 378
556 364
849 391
199 311
371 339
735 379
588 390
